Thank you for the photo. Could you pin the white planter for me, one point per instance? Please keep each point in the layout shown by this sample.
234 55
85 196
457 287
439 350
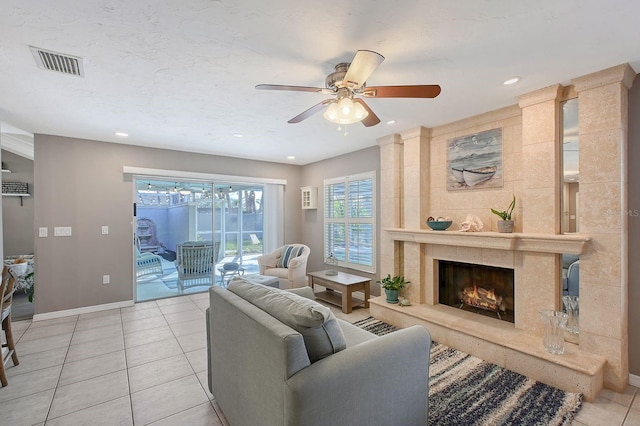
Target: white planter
505 226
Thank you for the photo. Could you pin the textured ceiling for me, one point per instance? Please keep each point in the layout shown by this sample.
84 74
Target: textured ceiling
181 74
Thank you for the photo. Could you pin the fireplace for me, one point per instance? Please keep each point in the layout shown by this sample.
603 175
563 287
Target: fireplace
485 290
514 341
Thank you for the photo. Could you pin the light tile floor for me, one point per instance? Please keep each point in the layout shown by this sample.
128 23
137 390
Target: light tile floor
146 364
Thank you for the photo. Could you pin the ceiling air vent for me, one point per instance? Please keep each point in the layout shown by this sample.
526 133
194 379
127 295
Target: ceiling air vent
59 62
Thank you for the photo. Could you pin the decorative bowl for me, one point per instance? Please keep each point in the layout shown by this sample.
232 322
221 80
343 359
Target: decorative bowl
439 225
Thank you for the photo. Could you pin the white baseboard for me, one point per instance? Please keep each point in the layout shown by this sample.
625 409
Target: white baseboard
634 380
83 310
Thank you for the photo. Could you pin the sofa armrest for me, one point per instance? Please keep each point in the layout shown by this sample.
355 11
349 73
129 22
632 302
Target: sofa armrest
269 260
297 262
297 270
380 382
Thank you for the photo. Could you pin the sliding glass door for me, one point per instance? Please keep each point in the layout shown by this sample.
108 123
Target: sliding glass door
239 221
191 235
173 220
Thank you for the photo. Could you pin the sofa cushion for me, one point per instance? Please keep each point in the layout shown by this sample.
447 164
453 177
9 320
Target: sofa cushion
316 323
288 253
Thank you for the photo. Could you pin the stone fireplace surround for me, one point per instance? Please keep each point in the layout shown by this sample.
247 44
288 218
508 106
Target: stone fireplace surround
412 187
517 346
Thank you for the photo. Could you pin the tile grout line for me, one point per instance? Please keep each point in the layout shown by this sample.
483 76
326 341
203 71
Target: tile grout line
55 389
195 374
182 351
126 368
65 362
635 395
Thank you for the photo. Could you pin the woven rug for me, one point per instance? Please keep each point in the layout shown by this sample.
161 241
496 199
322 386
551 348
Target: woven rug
465 390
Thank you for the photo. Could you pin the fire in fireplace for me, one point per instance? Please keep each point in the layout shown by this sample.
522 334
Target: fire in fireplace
485 290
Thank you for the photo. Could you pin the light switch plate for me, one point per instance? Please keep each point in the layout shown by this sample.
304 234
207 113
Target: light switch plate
62 231
43 232
105 230
106 279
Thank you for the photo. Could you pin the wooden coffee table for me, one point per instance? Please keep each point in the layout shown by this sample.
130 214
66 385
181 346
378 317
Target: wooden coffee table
346 284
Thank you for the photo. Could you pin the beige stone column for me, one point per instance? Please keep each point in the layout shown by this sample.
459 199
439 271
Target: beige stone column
390 184
603 119
416 202
541 189
540 202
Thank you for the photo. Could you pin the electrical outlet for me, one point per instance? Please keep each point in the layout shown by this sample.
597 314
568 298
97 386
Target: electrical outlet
106 279
105 230
43 232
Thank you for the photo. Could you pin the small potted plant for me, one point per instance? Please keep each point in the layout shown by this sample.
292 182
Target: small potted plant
392 287
506 224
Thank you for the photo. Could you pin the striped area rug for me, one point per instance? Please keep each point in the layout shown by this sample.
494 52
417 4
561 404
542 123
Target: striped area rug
465 390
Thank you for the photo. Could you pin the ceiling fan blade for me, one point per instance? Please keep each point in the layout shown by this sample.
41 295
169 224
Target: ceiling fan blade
363 65
419 91
371 119
294 88
308 113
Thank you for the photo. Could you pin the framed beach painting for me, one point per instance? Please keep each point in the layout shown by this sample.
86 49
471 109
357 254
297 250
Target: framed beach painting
475 161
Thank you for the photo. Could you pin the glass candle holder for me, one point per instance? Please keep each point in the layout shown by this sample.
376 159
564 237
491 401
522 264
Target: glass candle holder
331 263
572 308
554 324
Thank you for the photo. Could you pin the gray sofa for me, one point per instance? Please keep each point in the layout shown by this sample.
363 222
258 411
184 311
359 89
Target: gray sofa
261 370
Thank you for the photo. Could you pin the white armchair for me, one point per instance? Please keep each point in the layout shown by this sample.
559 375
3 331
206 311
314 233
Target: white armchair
287 263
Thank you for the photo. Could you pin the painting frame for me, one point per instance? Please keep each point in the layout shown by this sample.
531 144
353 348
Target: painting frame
474 161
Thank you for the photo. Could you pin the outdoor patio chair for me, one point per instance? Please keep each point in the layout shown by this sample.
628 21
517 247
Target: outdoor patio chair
147 263
195 262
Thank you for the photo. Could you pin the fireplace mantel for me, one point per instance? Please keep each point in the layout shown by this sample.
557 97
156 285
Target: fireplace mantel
541 243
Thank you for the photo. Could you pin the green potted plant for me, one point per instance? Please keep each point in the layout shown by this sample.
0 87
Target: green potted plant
506 224
392 287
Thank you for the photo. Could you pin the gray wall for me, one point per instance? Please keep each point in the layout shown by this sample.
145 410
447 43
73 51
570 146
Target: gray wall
81 184
313 174
634 229
18 220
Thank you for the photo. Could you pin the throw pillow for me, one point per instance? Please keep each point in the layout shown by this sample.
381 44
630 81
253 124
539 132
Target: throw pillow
319 327
288 253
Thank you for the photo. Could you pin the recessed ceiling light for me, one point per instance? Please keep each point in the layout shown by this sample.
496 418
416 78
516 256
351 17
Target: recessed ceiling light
238 135
291 157
391 122
512 80
121 134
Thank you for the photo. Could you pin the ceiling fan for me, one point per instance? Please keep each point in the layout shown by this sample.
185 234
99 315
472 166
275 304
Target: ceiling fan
348 81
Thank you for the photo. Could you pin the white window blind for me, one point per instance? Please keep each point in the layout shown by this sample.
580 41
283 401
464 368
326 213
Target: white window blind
349 220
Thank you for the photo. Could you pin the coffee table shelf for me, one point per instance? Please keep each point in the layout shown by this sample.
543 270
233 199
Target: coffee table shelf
343 283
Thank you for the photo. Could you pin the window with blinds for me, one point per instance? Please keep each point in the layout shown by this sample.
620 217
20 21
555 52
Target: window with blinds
349 221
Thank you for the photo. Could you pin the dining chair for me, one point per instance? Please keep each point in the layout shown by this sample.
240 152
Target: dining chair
9 348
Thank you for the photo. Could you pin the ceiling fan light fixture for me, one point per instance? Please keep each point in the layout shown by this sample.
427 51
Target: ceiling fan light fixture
346 107
359 112
345 112
331 113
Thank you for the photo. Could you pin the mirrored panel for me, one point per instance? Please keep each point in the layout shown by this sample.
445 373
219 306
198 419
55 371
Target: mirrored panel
570 263
570 167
